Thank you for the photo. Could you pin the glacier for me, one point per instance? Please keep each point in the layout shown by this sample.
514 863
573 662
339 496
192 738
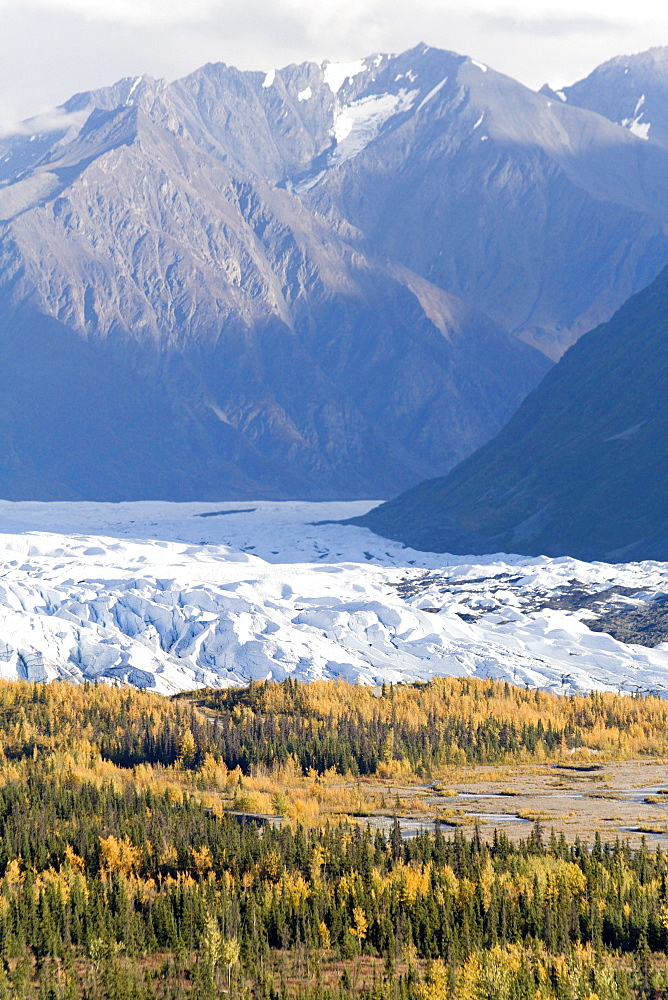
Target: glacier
173 596
358 123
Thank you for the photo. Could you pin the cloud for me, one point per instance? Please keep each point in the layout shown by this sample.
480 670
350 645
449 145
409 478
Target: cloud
343 14
50 49
131 12
50 121
600 11
549 24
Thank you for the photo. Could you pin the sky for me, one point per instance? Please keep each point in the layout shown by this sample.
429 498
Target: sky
50 49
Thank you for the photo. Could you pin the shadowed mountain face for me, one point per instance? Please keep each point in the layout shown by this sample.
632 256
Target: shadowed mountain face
580 470
314 282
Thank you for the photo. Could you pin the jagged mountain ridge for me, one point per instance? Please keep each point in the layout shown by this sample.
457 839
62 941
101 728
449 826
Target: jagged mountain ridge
546 216
266 263
580 470
403 147
629 90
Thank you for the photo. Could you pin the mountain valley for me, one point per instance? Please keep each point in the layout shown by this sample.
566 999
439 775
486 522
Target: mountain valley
263 733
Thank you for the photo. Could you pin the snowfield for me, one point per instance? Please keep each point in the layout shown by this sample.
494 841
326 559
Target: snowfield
174 596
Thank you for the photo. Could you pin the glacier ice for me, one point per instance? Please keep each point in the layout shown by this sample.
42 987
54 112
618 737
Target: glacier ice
174 596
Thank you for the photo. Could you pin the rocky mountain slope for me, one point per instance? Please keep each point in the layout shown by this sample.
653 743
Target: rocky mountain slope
580 470
309 282
629 90
546 216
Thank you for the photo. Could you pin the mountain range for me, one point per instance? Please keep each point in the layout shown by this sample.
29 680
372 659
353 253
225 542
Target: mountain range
321 281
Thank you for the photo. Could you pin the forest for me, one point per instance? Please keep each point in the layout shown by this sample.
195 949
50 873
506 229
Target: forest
138 858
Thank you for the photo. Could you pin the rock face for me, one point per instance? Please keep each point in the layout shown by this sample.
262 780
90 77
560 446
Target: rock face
580 470
313 282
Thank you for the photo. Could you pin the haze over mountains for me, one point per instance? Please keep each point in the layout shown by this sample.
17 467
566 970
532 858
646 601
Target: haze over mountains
322 281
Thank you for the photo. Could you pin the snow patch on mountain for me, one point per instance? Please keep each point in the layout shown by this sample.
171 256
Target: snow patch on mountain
308 182
129 99
357 124
336 74
174 596
432 93
635 124
641 129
